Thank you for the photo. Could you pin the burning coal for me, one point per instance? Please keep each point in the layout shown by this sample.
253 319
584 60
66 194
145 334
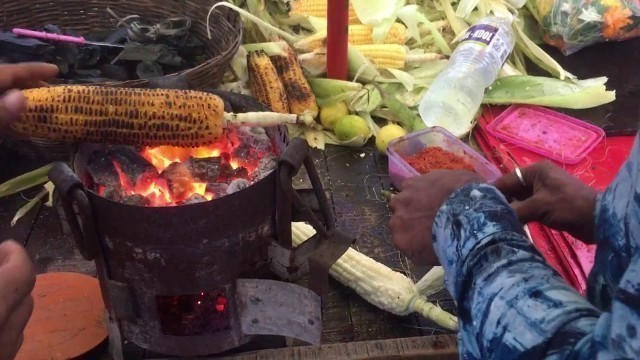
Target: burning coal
169 176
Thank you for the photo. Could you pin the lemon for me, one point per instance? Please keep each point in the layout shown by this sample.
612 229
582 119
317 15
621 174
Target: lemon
330 114
350 126
386 134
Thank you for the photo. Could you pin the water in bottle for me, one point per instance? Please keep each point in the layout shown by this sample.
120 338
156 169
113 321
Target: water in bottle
456 94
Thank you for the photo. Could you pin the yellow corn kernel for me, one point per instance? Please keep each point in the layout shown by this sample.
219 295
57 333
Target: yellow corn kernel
362 34
264 82
318 8
358 35
301 99
133 116
390 56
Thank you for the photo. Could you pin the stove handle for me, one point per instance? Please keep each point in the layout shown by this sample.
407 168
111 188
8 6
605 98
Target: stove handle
71 191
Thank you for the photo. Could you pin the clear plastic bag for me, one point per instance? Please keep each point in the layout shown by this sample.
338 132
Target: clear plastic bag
571 25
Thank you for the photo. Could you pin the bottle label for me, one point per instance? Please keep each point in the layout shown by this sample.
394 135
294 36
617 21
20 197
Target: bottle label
489 37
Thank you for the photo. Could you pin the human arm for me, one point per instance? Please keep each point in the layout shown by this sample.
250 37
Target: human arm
17 275
17 278
511 303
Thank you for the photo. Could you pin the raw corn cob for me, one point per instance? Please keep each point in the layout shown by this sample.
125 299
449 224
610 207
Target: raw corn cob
301 99
132 116
394 56
381 286
264 82
358 35
318 8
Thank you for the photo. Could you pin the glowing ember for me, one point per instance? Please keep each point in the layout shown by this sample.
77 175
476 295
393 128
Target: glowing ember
168 176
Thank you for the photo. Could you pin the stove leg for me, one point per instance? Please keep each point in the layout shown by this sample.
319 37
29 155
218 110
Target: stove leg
115 339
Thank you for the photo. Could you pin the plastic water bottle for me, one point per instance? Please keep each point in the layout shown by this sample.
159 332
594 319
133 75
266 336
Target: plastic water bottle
456 94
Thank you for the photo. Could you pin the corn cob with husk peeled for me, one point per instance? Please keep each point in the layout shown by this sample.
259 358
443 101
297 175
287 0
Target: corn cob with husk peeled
318 8
394 56
358 35
264 82
387 289
301 99
132 116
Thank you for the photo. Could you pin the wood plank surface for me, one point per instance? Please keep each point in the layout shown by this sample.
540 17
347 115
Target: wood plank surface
423 348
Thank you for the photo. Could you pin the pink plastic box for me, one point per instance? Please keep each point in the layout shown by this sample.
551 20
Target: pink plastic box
546 132
408 145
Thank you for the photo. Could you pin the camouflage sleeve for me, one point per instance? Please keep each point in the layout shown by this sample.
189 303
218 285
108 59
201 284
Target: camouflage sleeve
511 303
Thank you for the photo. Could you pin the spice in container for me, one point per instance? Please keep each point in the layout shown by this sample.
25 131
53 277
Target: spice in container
436 158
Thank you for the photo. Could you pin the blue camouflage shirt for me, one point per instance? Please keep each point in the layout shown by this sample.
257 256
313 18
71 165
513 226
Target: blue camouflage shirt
512 304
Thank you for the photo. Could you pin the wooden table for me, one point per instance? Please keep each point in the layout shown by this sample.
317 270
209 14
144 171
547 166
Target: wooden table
354 179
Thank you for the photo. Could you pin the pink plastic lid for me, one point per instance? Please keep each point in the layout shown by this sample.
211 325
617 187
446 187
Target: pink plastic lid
546 132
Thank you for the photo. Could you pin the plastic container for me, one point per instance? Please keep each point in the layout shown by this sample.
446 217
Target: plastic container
546 132
408 145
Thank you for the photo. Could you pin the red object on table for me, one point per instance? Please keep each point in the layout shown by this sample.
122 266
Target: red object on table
337 39
569 256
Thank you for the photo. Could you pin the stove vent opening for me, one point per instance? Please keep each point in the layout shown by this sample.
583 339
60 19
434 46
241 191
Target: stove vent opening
204 313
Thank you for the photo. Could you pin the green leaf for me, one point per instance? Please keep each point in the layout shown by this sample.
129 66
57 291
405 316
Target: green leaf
25 181
28 206
543 91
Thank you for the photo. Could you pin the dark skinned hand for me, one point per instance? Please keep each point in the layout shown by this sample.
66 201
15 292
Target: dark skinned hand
415 208
17 275
552 197
17 278
20 76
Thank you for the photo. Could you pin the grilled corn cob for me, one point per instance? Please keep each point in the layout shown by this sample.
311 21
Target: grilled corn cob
394 56
318 8
149 117
264 82
358 35
301 99
381 286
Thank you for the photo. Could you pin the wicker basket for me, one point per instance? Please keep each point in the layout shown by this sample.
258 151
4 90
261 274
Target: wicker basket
91 15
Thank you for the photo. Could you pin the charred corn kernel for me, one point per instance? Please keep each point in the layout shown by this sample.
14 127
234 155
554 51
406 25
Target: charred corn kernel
301 99
149 117
358 35
318 8
264 82
394 56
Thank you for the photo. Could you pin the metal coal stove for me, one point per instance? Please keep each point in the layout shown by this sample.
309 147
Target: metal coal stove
197 279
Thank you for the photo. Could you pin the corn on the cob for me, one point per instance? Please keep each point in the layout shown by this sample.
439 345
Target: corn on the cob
264 82
358 35
302 100
149 117
387 289
394 56
318 8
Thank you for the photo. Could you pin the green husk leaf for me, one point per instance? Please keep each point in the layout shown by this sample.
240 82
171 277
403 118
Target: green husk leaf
537 55
258 21
406 115
25 181
326 88
28 206
543 91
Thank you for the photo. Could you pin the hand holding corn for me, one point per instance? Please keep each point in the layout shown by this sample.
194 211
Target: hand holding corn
20 76
132 116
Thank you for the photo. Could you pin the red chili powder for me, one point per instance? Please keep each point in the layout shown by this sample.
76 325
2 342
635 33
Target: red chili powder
436 158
